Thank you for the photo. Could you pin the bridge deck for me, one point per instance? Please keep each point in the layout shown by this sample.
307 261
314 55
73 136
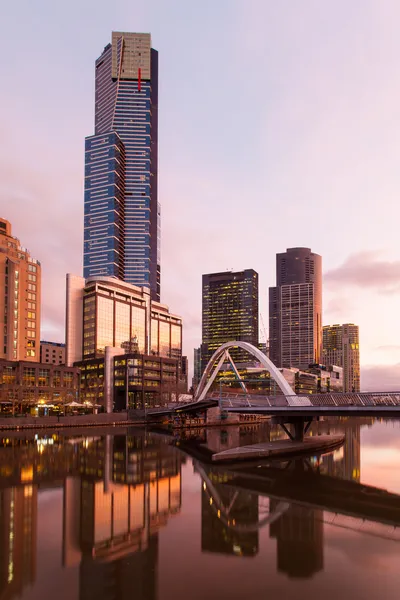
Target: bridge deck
318 411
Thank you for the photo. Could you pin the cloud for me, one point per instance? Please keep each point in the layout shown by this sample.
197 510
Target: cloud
380 378
365 270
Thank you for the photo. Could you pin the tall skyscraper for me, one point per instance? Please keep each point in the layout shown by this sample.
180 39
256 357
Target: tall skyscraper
341 347
229 312
20 284
122 214
295 309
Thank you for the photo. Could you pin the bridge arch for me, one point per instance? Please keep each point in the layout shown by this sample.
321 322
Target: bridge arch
222 511
222 354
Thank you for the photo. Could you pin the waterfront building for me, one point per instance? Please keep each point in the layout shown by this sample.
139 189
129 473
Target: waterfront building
295 309
108 318
341 346
152 381
32 387
122 213
106 312
229 312
52 352
20 286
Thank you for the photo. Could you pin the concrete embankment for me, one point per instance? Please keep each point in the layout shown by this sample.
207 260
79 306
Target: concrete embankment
37 423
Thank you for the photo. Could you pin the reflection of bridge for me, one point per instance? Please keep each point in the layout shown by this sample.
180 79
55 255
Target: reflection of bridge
346 504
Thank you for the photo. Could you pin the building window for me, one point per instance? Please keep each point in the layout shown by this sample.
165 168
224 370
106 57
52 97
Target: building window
44 378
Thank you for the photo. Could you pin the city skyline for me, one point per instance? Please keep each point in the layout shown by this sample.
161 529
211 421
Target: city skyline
321 143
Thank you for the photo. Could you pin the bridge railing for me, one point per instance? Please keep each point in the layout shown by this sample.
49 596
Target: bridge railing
337 399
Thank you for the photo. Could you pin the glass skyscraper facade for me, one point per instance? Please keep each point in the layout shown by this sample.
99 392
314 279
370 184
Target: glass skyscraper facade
229 312
122 213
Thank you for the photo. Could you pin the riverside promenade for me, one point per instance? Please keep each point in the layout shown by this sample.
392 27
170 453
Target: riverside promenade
120 419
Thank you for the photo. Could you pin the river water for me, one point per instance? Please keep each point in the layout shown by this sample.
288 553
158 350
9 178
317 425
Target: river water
145 515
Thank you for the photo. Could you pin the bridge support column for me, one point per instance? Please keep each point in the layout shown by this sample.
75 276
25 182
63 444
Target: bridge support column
299 426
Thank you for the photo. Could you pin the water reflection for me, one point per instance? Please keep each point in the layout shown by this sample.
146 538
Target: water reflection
121 491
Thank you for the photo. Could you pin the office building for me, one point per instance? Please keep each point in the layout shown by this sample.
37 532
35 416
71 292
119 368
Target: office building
341 347
20 284
152 381
196 367
295 309
106 312
107 318
52 352
229 312
122 214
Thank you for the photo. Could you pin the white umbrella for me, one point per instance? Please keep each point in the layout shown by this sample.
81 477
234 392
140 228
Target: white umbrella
73 403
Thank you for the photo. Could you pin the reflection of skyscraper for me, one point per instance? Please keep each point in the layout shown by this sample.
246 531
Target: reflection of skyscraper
229 527
111 525
18 523
299 534
130 576
346 461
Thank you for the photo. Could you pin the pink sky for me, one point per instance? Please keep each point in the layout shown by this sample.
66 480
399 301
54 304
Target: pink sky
278 127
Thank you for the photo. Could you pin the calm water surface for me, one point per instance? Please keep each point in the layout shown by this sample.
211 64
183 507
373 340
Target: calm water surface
147 516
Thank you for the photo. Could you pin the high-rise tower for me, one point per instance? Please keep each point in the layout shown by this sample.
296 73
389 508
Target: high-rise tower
295 309
340 346
229 312
20 286
122 214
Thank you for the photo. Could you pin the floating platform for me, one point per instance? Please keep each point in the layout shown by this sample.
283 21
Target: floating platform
281 448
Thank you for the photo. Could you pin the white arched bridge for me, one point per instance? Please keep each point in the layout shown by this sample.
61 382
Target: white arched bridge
222 356
288 407
288 402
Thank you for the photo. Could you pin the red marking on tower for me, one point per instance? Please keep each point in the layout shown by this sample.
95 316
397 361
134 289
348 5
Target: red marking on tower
139 79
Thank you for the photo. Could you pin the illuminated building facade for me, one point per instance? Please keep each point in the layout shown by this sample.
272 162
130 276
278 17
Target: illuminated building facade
229 312
107 318
20 287
341 347
122 214
152 381
103 311
295 309
28 386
